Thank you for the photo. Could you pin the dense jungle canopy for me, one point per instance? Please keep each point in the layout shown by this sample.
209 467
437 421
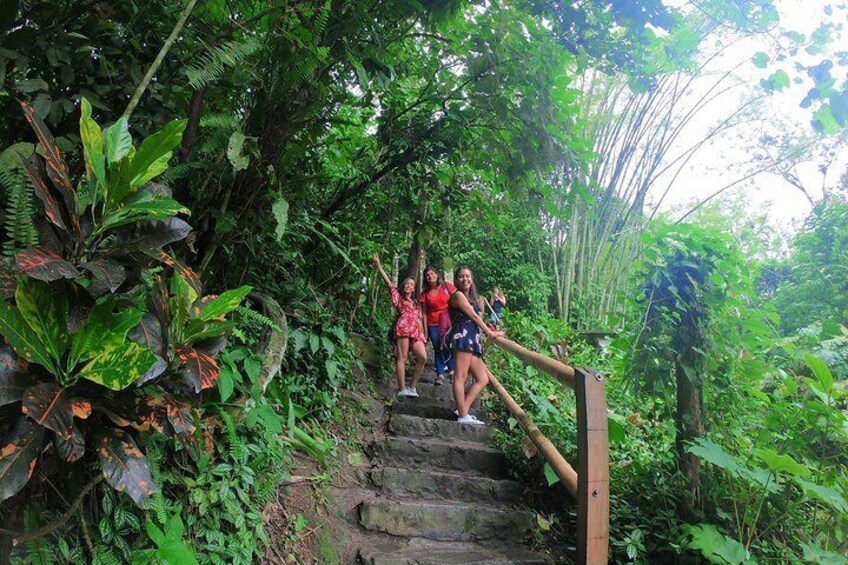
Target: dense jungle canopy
179 178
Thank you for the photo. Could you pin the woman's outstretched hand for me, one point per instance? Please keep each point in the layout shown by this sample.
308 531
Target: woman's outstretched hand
496 334
376 259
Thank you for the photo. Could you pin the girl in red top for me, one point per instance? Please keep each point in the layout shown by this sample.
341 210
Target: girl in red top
434 301
408 332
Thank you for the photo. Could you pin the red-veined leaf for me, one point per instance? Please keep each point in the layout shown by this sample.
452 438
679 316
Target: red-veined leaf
189 275
199 369
49 406
181 416
18 456
45 265
70 448
56 167
14 379
124 466
151 235
108 276
35 170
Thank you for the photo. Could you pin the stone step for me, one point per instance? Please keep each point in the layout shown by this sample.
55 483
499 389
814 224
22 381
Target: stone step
428 485
429 552
444 521
414 426
424 407
428 453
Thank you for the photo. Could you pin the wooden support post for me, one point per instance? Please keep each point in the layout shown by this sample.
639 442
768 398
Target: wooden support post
592 468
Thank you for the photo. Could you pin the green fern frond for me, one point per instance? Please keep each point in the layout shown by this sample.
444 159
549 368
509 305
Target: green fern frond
218 60
321 19
257 317
217 120
17 192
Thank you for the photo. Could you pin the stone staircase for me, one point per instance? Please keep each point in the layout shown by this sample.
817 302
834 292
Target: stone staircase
442 492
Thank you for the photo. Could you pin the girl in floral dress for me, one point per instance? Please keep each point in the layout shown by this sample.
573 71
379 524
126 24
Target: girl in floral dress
407 331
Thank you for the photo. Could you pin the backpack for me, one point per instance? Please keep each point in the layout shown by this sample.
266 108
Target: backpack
445 323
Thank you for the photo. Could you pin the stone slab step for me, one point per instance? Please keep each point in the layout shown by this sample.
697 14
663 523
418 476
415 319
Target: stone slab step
414 426
428 552
430 407
444 521
427 485
428 453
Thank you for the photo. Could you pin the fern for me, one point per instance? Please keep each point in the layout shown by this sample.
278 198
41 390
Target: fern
17 191
261 319
227 122
218 60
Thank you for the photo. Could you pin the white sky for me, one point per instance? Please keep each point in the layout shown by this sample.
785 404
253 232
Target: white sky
724 160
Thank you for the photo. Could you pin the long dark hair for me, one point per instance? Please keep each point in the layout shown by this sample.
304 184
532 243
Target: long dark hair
427 269
472 292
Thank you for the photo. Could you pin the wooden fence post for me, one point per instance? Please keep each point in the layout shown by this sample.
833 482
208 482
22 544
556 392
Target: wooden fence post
592 468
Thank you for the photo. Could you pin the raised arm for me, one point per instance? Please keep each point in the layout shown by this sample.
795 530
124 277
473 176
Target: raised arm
376 259
458 300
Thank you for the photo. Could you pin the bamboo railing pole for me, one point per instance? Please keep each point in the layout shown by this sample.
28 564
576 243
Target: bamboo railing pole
561 467
561 372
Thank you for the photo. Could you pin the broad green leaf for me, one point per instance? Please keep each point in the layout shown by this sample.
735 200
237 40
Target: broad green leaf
46 312
155 534
779 80
815 554
124 466
118 368
226 383
18 454
280 209
713 453
20 336
781 463
152 156
716 547
225 303
828 123
234 148
760 60
615 427
92 143
118 141
827 495
821 371
152 208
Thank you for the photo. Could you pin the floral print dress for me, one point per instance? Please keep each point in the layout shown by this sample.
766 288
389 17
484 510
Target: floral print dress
465 335
408 323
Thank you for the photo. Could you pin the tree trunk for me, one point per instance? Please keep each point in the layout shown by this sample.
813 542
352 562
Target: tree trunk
689 421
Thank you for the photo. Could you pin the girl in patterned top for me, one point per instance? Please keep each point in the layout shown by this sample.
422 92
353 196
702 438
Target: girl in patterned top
466 325
407 331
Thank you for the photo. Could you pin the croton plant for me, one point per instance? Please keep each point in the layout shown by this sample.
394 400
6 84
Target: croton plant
100 342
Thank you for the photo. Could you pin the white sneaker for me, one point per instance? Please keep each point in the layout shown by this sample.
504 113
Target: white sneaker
404 392
469 419
412 392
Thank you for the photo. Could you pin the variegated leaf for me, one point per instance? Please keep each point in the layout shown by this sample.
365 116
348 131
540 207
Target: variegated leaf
189 275
107 276
20 336
198 369
70 448
181 416
18 456
198 330
124 466
45 265
46 312
81 408
14 379
150 236
119 367
49 406
159 367
104 330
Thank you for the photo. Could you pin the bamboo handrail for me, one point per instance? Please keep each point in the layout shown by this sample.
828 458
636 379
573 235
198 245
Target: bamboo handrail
590 485
561 467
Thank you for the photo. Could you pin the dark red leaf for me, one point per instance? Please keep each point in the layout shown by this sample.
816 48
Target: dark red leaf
35 170
8 278
189 275
49 406
72 448
56 167
181 416
14 379
149 334
150 236
151 414
81 408
18 456
211 347
108 276
198 369
124 466
45 265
